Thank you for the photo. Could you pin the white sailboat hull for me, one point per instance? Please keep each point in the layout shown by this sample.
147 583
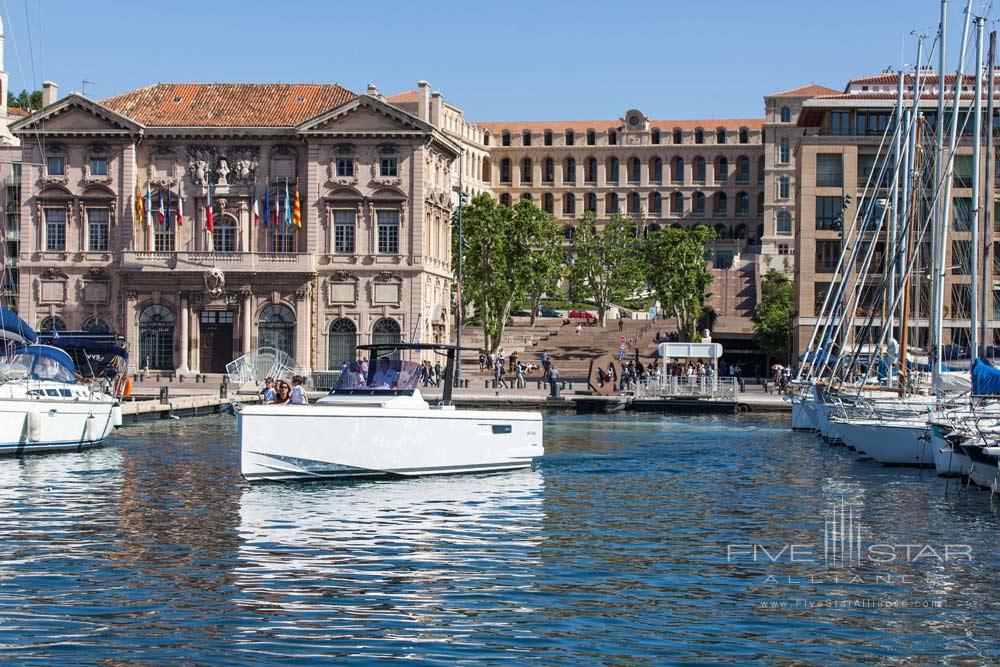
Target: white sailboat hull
290 442
803 414
891 443
28 426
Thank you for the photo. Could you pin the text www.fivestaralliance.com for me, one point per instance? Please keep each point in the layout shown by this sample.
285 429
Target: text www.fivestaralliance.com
853 603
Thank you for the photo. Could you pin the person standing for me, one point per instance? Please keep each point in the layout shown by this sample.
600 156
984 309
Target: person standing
519 377
270 396
437 373
579 328
621 322
298 391
553 376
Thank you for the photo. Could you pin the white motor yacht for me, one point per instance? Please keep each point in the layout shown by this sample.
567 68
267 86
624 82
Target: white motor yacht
377 423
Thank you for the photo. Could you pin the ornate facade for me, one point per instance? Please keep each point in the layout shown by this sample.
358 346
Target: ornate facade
371 260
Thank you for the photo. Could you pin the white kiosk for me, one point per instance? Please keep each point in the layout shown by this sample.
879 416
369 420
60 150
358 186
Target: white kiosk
711 387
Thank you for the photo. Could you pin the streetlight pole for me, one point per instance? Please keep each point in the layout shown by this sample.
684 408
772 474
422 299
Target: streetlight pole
459 311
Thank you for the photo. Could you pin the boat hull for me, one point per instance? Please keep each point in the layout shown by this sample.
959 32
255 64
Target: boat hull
36 426
318 442
803 414
891 443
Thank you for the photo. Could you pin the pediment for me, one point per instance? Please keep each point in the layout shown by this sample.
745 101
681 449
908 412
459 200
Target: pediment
365 115
75 113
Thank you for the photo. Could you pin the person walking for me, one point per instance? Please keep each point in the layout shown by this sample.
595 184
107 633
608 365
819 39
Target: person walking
621 322
579 328
498 375
437 373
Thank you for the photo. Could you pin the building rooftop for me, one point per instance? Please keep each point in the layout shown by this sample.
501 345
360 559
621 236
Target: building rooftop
584 125
810 90
405 96
227 104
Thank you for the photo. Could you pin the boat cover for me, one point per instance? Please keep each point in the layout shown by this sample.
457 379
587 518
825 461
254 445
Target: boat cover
14 328
985 378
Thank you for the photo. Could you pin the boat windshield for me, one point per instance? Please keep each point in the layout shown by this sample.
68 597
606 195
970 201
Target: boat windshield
382 375
37 366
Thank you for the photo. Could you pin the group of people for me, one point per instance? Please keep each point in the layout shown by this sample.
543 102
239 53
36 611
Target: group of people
281 392
430 375
672 337
629 376
696 368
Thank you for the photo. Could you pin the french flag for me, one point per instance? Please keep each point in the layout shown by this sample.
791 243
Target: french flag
160 212
256 206
209 220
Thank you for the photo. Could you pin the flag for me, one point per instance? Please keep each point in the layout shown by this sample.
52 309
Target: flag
297 207
209 221
288 205
267 202
256 206
159 211
149 204
169 219
140 213
180 206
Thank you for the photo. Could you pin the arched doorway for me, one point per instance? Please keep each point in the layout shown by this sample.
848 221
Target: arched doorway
343 340
156 338
387 330
277 328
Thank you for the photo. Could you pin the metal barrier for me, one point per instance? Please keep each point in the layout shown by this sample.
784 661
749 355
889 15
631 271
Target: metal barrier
726 388
323 380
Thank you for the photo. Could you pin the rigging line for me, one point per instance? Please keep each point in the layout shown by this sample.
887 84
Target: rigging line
34 75
20 66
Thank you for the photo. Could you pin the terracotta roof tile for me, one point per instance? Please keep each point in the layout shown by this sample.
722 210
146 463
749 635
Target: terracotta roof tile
892 78
17 111
603 125
811 90
227 104
405 96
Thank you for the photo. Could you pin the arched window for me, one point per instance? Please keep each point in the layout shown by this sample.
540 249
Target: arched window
277 328
505 138
699 136
784 153
743 169
698 203
613 170
526 170
156 338
786 115
96 325
569 204
656 203
741 231
678 137
699 170
612 137
591 175
721 231
654 227
548 202
784 223
548 170
592 202
386 331
224 236
656 170
526 196
722 170
591 138
784 188
526 138
678 170
634 203
656 137
569 232
744 136
486 138
742 204
720 136
548 137
612 206
505 170
634 170
677 203
570 138
569 171
721 206
342 343
505 199
51 323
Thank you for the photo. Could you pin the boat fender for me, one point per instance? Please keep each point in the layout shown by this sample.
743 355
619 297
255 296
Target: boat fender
116 415
90 430
34 426
128 387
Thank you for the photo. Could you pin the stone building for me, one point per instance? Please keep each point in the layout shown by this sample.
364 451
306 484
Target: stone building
370 262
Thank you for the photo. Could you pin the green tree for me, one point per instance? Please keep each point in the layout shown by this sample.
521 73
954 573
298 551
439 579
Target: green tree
545 262
772 316
607 264
678 273
25 100
499 263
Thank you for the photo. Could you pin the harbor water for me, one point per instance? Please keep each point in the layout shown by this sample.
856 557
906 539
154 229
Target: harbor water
637 540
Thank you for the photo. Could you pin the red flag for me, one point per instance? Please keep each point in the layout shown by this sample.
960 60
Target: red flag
209 221
256 206
180 205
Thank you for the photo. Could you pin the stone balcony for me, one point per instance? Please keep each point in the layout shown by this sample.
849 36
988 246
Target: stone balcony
239 262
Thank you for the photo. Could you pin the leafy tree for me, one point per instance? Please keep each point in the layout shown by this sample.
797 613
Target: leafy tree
25 100
772 316
607 264
545 261
678 273
500 264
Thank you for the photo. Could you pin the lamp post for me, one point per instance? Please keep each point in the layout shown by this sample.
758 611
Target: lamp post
459 311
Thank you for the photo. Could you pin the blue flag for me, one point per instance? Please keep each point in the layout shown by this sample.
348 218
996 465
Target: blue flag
267 203
288 206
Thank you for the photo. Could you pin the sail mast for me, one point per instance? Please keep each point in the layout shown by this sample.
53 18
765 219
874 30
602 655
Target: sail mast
974 243
935 318
988 213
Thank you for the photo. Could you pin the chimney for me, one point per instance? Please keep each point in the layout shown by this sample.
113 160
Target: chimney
372 90
436 100
423 100
50 93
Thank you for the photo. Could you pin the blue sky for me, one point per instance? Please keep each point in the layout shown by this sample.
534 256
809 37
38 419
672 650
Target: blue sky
515 60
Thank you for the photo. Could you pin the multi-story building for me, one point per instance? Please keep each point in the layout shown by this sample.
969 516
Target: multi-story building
370 261
10 199
835 157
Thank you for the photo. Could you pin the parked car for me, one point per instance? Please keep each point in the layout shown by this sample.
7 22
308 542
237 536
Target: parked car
582 315
545 311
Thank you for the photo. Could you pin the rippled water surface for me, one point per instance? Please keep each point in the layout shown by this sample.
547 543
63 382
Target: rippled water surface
630 543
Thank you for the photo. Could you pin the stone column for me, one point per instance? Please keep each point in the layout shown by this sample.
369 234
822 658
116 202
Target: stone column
131 330
247 320
303 328
185 318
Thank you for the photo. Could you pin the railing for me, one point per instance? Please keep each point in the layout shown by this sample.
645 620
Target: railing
234 261
726 388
